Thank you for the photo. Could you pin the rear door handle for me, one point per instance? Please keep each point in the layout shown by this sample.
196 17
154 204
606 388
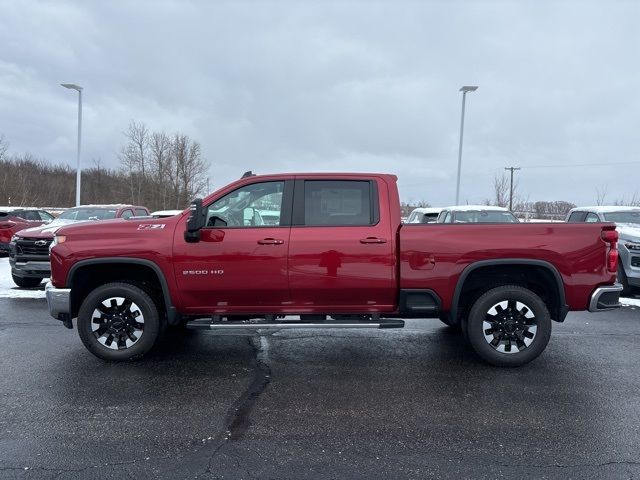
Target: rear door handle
270 241
373 240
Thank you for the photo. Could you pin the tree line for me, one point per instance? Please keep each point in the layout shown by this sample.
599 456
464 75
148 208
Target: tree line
157 170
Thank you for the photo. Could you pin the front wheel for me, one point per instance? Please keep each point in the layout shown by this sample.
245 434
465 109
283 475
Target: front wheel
509 326
118 321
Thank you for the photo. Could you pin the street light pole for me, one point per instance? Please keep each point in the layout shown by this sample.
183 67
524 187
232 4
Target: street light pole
464 91
79 90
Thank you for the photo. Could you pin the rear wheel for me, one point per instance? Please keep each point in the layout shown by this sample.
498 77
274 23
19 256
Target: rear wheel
118 321
509 326
25 282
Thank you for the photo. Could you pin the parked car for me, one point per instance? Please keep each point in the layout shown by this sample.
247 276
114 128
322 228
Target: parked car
476 214
338 250
627 220
29 248
165 213
14 219
423 215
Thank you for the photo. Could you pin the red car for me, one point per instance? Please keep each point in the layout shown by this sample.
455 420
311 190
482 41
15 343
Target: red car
336 256
14 219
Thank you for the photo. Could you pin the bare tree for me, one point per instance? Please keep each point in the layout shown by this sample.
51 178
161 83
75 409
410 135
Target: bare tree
134 158
501 190
160 164
601 194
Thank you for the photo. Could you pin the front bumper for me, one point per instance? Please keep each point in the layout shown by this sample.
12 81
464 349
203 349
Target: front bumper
605 298
58 301
30 268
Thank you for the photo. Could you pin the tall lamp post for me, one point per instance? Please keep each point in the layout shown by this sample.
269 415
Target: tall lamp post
79 90
464 91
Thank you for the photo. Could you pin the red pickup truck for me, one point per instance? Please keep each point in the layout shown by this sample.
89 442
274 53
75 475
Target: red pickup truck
334 254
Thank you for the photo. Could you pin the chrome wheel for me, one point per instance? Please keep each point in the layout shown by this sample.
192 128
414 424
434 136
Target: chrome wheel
117 323
509 326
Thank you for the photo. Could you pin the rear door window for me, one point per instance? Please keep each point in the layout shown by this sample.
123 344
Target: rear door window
340 203
592 218
577 217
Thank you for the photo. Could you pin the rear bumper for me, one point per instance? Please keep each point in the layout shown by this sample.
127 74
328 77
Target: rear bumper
605 298
58 301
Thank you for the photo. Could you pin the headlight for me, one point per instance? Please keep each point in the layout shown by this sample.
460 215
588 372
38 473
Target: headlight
57 239
632 246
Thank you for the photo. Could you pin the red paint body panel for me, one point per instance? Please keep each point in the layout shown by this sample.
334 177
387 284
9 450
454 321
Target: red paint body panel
228 270
11 225
327 269
574 249
330 267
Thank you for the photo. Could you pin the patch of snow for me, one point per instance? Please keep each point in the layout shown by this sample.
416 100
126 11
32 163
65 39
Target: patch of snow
8 289
627 302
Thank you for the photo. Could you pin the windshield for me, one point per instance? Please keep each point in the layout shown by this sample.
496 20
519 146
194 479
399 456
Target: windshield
483 216
623 217
79 214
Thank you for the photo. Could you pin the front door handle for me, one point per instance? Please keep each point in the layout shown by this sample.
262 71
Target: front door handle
270 241
373 240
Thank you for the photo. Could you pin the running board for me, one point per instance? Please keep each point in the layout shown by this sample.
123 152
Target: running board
387 323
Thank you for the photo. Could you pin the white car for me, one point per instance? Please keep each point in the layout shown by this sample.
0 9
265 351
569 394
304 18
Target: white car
476 214
423 215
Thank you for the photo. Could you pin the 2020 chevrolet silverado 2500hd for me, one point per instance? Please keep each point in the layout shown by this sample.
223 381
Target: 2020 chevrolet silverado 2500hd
338 256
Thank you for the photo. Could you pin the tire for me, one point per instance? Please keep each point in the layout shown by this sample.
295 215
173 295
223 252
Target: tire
454 327
26 282
509 326
109 326
624 281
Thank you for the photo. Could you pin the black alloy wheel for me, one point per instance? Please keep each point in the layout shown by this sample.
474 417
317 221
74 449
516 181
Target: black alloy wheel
509 326
118 321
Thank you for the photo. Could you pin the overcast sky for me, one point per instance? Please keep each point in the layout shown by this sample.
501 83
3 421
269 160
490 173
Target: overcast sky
336 86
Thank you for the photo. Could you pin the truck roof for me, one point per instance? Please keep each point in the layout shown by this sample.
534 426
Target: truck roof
605 209
466 208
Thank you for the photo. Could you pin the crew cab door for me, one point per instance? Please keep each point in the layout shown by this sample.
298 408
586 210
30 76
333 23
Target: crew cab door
240 262
341 254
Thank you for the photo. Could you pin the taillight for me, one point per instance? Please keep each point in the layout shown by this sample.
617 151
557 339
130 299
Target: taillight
612 260
611 237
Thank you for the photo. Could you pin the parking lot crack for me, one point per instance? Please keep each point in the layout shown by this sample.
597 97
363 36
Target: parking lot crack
237 419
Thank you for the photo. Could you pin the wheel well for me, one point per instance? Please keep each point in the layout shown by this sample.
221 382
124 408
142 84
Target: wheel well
539 279
88 277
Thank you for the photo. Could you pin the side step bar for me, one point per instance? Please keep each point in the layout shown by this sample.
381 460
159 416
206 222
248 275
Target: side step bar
386 323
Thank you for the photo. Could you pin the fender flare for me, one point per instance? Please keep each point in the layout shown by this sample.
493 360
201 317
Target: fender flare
563 309
172 315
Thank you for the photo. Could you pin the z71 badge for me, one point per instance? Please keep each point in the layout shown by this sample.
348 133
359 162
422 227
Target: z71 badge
151 226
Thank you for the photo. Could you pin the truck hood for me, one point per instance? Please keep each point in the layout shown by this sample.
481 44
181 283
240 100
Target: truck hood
628 231
50 229
118 227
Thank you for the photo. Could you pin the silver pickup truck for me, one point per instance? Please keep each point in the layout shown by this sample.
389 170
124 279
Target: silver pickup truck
627 220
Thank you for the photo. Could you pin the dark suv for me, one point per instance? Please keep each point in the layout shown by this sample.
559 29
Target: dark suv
29 249
14 219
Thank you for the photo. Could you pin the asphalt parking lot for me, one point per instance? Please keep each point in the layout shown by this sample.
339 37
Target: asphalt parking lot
411 403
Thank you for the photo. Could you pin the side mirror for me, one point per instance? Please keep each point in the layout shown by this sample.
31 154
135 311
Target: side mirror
195 221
